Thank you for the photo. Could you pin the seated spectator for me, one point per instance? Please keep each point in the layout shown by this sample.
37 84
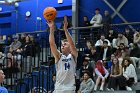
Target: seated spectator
122 51
15 45
136 39
35 46
110 62
93 54
129 35
1 40
22 38
85 33
87 84
97 19
121 39
8 41
134 51
102 75
99 43
129 76
87 49
116 71
12 64
27 47
111 35
105 52
107 20
86 21
86 67
2 77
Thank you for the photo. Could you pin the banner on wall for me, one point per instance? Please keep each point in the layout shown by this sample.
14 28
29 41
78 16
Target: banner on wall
60 1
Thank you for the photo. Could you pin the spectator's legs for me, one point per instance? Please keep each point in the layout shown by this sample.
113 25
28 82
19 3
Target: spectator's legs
97 83
102 84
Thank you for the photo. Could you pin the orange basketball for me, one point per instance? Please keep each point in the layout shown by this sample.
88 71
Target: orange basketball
49 13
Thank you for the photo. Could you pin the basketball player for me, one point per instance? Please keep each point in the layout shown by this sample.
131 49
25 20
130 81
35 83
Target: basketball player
65 61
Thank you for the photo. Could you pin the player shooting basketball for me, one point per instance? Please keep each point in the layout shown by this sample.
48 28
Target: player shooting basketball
65 61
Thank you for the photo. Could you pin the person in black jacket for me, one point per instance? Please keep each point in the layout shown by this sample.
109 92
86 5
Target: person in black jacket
105 52
106 21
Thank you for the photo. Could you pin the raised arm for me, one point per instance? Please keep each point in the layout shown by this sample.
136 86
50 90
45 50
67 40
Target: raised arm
53 47
69 38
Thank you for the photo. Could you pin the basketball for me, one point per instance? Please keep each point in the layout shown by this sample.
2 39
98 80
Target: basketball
49 13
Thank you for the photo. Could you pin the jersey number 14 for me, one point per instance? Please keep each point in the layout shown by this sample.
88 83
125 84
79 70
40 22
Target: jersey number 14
67 66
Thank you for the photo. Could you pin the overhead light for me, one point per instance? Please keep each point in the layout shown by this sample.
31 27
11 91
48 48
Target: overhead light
16 4
60 1
38 18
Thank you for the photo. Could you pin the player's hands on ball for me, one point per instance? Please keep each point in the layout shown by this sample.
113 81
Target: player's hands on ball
51 25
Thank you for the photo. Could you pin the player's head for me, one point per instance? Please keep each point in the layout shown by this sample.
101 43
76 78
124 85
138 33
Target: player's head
2 76
65 46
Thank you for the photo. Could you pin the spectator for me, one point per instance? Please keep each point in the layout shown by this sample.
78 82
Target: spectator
27 47
111 35
107 20
137 38
109 64
35 46
121 39
87 49
9 40
86 67
105 52
122 51
1 40
116 71
129 35
2 76
93 54
97 19
86 21
85 33
99 43
15 45
102 75
87 84
135 51
129 76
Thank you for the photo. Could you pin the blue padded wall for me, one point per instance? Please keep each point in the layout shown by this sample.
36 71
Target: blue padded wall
129 11
17 23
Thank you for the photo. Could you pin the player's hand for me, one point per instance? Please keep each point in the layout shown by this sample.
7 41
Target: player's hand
65 24
51 25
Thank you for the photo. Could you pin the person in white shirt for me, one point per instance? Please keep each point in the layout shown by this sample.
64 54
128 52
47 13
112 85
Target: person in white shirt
97 19
65 61
129 76
101 40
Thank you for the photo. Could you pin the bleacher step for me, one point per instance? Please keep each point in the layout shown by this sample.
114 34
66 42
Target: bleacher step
115 92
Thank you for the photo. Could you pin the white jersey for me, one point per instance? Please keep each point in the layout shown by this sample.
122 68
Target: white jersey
65 73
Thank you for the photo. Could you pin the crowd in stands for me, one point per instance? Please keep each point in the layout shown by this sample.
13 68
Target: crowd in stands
14 48
111 60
